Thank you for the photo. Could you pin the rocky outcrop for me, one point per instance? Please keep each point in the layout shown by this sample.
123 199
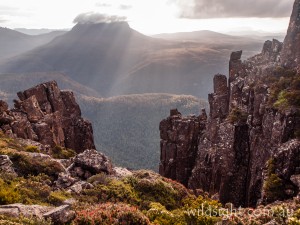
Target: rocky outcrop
179 144
290 54
89 163
47 115
16 210
243 132
58 215
228 155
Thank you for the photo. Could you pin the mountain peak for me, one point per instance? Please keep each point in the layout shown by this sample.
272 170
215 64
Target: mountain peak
290 55
100 28
121 24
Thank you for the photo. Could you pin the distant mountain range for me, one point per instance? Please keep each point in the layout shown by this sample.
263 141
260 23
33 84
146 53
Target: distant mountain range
38 31
114 59
13 43
204 36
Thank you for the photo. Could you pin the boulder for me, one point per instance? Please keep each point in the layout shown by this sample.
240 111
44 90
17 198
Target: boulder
89 163
64 180
79 186
6 165
60 215
16 210
120 172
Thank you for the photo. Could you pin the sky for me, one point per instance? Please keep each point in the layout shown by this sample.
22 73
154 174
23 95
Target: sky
151 16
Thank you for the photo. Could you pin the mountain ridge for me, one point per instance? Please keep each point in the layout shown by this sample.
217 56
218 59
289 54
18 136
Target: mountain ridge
13 43
116 60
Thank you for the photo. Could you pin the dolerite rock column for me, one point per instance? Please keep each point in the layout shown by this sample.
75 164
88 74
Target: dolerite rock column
48 115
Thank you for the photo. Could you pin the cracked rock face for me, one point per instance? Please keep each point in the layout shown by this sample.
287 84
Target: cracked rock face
227 157
47 115
290 54
179 144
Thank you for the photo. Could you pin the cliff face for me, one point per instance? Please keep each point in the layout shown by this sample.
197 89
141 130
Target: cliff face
290 54
243 133
179 144
47 115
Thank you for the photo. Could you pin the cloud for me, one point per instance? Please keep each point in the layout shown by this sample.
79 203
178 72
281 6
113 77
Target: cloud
3 20
201 9
99 4
125 7
92 17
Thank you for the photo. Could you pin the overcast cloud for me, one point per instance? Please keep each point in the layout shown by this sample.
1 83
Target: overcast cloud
99 4
125 7
199 9
2 20
91 17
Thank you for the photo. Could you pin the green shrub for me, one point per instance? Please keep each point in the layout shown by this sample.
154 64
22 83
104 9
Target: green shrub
158 214
157 191
59 152
271 166
111 214
113 191
28 165
152 188
191 213
9 193
236 115
285 91
32 148
33 191
140 189
4 220
274 188
58 197
282 102
100 178
10 143
295 219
